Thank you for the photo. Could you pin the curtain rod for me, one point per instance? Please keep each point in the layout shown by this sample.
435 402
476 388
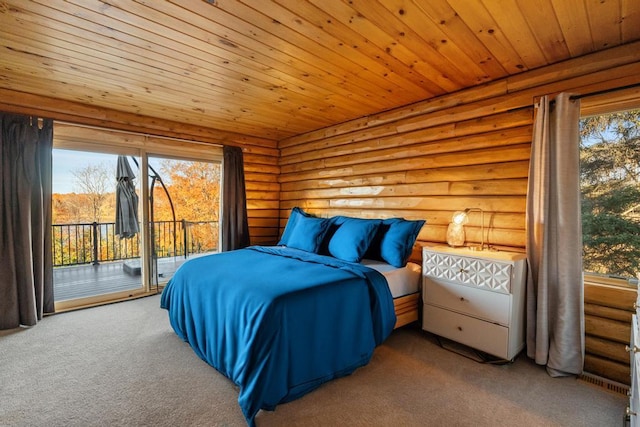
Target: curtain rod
604 91
190 141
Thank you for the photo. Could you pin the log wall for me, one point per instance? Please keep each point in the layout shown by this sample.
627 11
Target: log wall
468 149
608 311
430 159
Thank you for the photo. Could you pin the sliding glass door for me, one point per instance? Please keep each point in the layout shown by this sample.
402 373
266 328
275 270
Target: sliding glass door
125 219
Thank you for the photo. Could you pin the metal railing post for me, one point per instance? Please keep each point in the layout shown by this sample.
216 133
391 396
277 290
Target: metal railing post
184 237
96 243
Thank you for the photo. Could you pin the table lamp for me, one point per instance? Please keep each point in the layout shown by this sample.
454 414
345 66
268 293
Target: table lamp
455 231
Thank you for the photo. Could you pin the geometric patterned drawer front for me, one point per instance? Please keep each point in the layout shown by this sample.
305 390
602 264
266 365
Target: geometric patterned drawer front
480 273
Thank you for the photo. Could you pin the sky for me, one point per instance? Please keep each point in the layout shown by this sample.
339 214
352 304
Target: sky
67 161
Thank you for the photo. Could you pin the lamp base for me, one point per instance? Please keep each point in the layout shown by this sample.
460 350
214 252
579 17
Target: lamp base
455 235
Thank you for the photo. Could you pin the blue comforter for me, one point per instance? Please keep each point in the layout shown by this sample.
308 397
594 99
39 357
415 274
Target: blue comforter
278 321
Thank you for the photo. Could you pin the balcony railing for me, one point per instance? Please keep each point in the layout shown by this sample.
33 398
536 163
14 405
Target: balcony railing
93 243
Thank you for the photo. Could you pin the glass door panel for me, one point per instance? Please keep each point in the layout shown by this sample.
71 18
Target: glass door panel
94 258
184 212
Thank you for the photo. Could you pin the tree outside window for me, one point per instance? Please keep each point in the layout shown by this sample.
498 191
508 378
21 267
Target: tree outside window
610 186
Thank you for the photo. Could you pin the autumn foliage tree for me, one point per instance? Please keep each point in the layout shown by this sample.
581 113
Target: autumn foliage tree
194 189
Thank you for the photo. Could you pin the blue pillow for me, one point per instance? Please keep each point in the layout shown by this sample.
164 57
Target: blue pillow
334 223
291 223
394 241
307 233
352 238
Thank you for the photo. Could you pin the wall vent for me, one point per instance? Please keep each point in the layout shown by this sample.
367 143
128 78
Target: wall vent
605 383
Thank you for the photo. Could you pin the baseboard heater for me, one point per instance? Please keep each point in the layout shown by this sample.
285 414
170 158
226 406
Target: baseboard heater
605 383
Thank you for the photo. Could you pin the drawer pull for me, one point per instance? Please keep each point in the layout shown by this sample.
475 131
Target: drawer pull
463 271
460 328
462 299
635 348
628 412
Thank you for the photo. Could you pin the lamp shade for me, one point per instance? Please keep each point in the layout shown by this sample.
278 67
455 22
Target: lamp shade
460 217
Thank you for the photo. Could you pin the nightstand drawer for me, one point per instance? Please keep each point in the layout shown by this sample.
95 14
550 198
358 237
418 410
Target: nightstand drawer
484 336
476 272
487 305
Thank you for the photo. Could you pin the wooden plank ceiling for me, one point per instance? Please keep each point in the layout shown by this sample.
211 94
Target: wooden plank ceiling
278 68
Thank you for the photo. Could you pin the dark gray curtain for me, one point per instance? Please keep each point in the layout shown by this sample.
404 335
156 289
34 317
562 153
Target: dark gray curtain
26 273
235 227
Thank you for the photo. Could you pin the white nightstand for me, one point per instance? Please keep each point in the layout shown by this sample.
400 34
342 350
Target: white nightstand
475 298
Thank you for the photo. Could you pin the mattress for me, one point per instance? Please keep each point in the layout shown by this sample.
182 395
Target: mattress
402 281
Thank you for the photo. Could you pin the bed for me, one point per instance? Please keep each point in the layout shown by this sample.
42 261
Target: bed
279 321
404 284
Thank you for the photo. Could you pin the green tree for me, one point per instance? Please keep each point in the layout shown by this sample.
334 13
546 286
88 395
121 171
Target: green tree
610 185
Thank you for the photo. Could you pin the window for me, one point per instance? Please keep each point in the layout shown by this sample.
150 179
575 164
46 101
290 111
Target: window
610 186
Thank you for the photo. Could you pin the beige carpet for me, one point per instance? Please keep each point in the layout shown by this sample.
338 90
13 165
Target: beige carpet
122 365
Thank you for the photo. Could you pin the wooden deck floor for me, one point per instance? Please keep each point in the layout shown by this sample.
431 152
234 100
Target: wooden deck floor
83 281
